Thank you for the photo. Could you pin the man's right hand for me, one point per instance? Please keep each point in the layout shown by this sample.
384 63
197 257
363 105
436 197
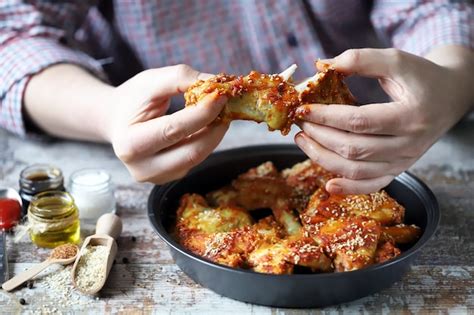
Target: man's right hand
155 147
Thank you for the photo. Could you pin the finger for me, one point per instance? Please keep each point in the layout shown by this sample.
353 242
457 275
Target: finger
176 161
345 186
169 81
339 165
380 119
149 137
369 62
355 146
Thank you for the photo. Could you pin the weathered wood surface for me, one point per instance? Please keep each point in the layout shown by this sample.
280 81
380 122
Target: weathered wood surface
440 281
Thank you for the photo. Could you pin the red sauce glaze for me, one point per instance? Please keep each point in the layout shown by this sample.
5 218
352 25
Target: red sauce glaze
10 211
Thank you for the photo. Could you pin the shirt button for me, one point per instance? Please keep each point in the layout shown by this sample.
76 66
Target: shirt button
291 40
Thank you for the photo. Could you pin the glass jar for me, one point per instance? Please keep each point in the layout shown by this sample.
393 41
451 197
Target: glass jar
37 178
93 192
53 219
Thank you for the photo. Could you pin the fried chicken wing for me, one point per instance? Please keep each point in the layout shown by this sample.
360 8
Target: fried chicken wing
196 220
281 257
326 87
263 187
304 178
260 187
378 206
233 248
243 190
271 259
401 233
350 242
386 251
304 251
224 196
271 98
258 97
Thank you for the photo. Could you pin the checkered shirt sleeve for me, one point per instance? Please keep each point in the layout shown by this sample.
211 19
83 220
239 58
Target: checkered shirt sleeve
31 37
419 26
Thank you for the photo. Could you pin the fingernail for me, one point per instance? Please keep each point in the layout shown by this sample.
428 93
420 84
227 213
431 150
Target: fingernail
328 61
300 140
334 189
205 76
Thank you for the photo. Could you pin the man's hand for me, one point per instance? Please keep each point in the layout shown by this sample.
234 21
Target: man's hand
159 148
371 144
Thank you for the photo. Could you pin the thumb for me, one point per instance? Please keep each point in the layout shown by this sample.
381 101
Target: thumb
172 80
368 62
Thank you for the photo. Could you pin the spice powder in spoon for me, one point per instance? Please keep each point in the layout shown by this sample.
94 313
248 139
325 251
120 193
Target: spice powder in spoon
64 251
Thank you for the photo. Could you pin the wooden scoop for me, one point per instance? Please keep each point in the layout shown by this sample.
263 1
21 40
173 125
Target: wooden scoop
108 228
30 273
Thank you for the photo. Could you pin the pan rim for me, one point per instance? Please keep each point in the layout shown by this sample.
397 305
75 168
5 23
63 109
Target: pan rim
431 207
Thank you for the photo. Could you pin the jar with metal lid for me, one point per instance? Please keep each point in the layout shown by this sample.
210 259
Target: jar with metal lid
53 219
37 178
93 192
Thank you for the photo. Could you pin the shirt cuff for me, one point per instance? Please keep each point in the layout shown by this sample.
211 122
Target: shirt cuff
21 59
444 28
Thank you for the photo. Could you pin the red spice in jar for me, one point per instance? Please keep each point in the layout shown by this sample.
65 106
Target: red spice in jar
10 211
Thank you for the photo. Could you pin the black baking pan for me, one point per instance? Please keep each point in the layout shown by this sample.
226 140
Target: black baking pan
297 290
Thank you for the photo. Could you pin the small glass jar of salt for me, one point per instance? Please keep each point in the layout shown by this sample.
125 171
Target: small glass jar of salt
93 193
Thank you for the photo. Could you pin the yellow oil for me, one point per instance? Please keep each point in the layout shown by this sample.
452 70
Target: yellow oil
59 212
51 239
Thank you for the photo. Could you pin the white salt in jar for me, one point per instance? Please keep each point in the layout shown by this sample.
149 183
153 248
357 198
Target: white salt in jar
93 193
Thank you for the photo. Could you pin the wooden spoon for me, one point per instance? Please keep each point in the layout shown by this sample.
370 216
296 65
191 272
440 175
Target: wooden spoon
30 273
108 228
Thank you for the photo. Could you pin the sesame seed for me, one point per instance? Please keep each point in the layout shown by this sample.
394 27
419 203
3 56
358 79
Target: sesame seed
91 267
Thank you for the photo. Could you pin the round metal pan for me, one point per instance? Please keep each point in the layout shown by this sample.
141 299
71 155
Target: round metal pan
298 290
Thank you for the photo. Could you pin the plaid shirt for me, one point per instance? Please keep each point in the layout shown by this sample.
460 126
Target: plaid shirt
212 35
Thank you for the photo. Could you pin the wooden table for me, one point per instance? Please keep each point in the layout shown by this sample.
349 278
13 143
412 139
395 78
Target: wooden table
441 280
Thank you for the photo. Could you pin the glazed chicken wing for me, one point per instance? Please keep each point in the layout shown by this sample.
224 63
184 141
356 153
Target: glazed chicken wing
326 87
263 187
260 187
233 248
258 97
281 257
350 242
386 251
271 98
196 220
401 233
378 206
304 178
